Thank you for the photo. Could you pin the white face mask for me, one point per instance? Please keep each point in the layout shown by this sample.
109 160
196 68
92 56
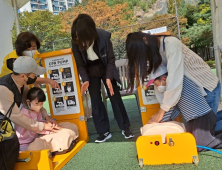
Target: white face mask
35 108
161 88
30 53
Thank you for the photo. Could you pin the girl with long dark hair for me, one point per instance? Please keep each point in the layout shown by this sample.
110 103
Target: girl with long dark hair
93 53
147 52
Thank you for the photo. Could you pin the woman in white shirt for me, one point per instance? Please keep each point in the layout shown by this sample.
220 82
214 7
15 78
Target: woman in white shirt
143 49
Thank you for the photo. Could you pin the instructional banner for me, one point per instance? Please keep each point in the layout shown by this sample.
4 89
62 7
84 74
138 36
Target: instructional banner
64 100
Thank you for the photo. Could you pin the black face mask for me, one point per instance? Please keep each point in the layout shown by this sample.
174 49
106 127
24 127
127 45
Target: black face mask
31 80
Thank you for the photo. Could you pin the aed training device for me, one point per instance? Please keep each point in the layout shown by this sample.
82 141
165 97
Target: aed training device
178 148
66 105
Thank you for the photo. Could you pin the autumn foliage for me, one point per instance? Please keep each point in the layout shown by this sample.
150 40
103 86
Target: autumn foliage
105 17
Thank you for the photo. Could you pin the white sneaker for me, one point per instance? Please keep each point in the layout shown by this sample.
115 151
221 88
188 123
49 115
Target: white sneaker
103 137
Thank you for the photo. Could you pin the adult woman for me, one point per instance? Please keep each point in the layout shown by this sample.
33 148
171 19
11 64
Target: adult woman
25 45
143 49
95 60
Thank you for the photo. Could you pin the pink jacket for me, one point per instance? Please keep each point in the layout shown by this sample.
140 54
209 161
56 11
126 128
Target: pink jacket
26 136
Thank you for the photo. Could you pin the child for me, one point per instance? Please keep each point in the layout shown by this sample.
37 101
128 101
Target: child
200 120
35 99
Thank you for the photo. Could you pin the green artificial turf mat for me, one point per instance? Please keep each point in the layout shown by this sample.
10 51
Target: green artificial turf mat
120 154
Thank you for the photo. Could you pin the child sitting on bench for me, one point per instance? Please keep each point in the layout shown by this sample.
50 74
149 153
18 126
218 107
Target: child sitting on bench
200 120
56 140
35 99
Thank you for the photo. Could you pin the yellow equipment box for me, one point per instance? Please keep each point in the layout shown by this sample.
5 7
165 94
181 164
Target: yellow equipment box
66 105
179 148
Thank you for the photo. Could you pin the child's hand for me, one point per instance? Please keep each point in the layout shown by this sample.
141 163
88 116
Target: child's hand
55 130
57 127
48 126
51 121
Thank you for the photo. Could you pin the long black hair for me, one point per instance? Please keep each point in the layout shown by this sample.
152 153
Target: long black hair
143 56
83 31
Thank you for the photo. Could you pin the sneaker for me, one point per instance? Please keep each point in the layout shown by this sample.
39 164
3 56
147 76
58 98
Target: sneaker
127 134
103 137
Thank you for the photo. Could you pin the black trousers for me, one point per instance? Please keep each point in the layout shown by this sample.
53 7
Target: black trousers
99 113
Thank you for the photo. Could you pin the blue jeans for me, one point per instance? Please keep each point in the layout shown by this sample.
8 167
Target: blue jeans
219 121
213 98
218 126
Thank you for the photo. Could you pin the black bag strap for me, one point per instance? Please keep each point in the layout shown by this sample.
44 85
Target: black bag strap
9 112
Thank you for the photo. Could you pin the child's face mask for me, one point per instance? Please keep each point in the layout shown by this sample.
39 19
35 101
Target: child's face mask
34 107
161 88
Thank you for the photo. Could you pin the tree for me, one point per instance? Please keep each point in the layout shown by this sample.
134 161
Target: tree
104 16
143 4
46 26
171 6
189 14
199 29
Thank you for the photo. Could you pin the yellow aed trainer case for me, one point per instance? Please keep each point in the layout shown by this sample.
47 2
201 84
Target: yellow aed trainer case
179 148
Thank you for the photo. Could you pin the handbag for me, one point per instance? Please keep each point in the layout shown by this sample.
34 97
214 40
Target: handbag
9 143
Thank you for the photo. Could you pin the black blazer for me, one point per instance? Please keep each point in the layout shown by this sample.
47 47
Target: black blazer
106 54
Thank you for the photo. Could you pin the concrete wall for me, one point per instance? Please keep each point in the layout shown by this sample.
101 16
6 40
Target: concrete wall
6 20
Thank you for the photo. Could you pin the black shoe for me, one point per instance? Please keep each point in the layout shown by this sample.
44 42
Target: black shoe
127 134
103 137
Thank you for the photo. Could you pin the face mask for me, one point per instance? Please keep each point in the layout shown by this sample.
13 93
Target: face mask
161 88
30 80
35 108
30 53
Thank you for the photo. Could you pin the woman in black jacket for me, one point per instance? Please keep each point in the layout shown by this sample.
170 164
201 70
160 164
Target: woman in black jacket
93 53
